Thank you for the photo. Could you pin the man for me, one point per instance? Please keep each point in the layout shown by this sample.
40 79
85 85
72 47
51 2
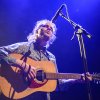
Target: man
39 40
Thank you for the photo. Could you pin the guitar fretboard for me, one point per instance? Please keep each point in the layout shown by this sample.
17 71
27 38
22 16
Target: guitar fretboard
62 76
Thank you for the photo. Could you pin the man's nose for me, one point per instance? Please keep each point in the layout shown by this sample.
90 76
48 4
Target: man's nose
49 28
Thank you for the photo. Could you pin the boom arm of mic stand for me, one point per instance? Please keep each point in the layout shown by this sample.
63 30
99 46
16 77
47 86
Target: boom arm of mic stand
77 27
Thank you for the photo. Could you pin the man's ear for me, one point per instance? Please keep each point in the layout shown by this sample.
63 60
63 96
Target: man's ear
38 31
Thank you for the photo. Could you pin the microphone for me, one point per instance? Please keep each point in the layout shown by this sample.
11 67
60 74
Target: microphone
57 13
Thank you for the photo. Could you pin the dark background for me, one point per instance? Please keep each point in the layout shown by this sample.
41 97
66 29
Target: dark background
18 17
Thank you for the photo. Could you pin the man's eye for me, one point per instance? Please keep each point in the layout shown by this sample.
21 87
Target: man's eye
46 26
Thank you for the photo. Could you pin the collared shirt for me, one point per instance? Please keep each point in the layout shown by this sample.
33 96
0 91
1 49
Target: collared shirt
23 47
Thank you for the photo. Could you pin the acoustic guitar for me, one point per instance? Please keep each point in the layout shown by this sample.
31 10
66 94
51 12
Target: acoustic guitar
14 85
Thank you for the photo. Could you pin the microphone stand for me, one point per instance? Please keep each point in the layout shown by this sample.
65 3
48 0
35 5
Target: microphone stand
78 32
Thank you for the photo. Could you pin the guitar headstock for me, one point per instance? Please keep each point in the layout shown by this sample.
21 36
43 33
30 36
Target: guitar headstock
96 78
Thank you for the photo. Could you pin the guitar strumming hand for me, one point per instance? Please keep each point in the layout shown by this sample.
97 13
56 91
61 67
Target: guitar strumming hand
28 70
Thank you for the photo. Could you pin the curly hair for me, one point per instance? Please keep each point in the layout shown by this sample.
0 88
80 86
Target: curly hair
32 37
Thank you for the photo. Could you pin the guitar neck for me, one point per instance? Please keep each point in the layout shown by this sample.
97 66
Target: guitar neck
54 76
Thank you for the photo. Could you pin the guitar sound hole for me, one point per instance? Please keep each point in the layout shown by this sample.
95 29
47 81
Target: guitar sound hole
40 75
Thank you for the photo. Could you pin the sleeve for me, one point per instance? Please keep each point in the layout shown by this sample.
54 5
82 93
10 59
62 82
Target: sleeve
5 51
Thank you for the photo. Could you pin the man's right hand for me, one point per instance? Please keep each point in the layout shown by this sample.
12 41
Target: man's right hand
29 72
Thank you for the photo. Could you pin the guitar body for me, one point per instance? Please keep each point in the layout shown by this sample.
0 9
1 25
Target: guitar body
14 86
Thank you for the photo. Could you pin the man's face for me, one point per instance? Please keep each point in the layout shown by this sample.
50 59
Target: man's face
46 31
